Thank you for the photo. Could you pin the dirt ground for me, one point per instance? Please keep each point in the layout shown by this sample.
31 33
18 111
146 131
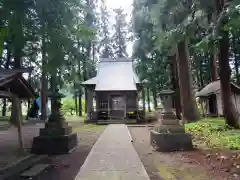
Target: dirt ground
66 167
9 142
197 165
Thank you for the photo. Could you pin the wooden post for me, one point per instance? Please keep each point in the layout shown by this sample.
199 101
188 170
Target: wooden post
16 116
89 102
109 107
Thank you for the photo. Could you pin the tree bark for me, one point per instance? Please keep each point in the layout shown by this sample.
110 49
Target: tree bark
80 105
236 64
230 113
229 110
154 93
213 65
16 119
144 100
75 97
188 101
201 73
4 107
85 79
80 111
175 84
44 84
76 103
149 100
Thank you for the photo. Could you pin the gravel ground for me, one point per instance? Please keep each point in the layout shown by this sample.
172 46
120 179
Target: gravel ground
9 144
66 167
173 166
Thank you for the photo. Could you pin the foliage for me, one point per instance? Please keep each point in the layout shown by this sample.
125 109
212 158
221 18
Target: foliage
120 36
68 106
105 44
214 133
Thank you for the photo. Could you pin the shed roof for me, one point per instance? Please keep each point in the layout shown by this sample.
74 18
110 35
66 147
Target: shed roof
214 87
15 83
114 75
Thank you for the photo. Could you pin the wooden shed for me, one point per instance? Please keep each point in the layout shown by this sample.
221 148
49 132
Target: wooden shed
12 82
115 90
210 96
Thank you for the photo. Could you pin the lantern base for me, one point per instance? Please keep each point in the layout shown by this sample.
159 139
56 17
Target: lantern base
169 142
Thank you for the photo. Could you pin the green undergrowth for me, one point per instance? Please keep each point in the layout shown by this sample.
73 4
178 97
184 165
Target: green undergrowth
186 173
78 125
214 133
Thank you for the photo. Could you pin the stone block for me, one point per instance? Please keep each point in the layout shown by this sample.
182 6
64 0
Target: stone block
55 131
54 144
169 129
168 122
56 125
169 142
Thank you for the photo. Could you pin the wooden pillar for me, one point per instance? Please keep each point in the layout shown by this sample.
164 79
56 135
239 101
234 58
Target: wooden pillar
109 117
89 102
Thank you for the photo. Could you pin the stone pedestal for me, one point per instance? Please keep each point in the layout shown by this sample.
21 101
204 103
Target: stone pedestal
56 137
168 135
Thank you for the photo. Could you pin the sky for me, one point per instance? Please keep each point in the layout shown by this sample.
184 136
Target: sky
127 6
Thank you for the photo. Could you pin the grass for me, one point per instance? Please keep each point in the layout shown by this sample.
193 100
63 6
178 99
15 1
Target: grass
79 126
214 133
186 173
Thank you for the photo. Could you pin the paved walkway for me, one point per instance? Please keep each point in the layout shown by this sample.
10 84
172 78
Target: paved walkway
113 157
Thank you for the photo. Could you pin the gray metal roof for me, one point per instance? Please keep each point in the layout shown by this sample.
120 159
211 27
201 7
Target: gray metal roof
211 88
115 75
215 87
90 81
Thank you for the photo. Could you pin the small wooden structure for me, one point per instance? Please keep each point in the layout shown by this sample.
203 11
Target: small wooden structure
14 87
115 90
13 83
211 100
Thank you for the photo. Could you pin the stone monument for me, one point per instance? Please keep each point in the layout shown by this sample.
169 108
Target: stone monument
56 137
168 135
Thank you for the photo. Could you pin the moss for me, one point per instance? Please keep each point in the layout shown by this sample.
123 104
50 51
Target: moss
214 133
182 172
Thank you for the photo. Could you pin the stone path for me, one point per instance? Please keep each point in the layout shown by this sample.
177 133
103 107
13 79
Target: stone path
113 157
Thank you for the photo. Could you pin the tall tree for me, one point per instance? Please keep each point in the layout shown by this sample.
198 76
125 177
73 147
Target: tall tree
120 36
105 44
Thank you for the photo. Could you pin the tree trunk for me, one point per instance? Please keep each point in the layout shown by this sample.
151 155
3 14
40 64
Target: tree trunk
213 66
85 79
53 82
4 107
44 83
189 106
201 73
16 119
230 113
144 100
236 64
149 100
175 84
229 110
80 111
154 93
76 103
80 105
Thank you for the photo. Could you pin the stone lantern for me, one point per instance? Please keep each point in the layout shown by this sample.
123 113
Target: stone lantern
56 137
168 134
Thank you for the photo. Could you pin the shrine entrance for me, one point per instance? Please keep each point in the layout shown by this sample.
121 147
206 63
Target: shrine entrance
118 107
